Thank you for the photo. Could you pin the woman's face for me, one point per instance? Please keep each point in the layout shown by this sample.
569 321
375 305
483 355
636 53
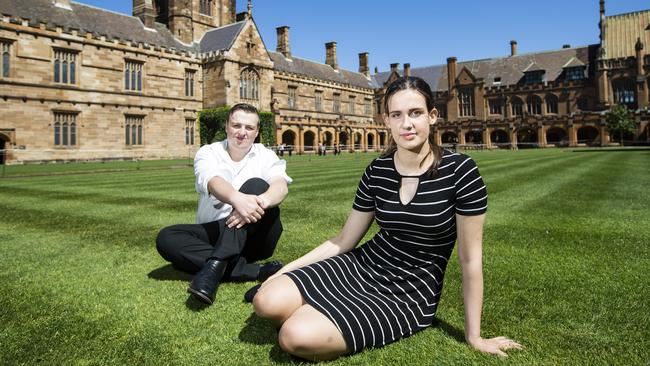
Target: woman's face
408 119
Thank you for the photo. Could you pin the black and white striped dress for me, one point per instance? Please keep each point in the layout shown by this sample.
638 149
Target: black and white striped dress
389 287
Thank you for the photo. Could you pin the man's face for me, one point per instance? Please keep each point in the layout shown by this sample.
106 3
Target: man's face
242 129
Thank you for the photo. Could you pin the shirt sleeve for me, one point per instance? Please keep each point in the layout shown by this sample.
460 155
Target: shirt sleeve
364 199
275 167
208 166
471 193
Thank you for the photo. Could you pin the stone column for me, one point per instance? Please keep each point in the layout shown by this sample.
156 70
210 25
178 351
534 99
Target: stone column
573 135
487 139
541 135
513 137
604 134
461 136
300 148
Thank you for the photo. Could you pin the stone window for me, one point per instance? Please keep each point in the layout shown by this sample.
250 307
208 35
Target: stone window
624 92
205 7
442 110
133 126
5 60
336 103
351 103
65 67
496 106
551 104
133 75
291 97
189 82
318 101
574 73
517 106
534 105
367 107
65 129
249 85
189 131
466 101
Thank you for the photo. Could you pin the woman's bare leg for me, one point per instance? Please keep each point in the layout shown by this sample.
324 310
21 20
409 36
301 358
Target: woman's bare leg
305 332
309 334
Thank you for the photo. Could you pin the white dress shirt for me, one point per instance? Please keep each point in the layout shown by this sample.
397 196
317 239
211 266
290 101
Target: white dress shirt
214 161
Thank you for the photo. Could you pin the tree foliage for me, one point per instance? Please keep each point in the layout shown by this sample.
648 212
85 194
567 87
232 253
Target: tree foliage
212 125
619 121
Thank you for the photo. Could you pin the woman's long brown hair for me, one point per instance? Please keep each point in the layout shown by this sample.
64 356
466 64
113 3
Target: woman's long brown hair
420 86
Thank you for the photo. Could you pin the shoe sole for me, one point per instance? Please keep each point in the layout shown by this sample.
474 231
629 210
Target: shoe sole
199 296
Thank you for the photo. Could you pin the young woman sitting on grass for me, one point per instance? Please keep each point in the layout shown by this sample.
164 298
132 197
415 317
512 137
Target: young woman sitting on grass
338 299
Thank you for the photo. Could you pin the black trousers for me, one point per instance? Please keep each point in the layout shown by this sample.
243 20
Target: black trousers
189 246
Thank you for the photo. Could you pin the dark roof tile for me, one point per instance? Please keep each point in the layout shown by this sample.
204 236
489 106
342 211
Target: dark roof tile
221 38
88 19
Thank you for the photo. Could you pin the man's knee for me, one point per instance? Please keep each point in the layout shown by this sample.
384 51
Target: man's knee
165 242
255 186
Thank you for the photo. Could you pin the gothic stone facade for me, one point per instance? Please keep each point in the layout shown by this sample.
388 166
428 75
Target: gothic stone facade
81 83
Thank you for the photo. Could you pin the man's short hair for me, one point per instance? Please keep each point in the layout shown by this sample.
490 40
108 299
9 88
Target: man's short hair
242 107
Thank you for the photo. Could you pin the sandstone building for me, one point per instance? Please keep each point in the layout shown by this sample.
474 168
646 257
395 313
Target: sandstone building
81 83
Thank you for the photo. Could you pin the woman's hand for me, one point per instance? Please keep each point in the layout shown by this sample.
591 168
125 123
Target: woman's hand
496 345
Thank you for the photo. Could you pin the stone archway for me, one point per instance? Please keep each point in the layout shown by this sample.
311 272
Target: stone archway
370 141
526 138
588 135
358 141
289 138
4 144
382 139
474 137
500 138
343 140
309 138
449 138
557 136
328 138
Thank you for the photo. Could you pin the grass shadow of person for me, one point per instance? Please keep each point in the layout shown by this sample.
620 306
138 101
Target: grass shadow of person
260 331
169 273
195 305
449 329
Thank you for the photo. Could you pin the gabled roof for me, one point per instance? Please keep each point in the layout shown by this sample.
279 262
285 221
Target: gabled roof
574 62
509 69
296 65
221 38
88 19
533 67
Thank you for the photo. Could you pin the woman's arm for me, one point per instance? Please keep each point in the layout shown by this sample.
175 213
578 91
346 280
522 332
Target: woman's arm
470 255
354 229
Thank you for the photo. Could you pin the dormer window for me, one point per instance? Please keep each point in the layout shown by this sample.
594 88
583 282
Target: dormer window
205 7
534 77
533 74
497 81
574 73
574 69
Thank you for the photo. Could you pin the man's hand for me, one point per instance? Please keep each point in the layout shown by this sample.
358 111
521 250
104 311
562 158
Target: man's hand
247 209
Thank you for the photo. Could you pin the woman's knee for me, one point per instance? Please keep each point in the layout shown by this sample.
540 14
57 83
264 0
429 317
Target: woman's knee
277 300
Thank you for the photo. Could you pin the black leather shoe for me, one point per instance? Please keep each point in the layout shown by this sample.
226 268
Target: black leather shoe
250 294
205 283
268 269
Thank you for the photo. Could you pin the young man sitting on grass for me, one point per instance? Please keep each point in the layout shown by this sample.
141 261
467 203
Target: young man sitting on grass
240 186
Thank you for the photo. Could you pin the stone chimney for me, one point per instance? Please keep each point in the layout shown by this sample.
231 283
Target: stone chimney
407 70
142 9
376 70
513 48
330 55
566 46
451 73
363 64
394 67
65 4
283 41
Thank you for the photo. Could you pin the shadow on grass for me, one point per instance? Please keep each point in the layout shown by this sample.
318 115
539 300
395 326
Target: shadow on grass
449 329
195 305
169 273
259 331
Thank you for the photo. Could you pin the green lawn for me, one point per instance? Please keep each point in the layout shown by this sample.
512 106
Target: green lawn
566 262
